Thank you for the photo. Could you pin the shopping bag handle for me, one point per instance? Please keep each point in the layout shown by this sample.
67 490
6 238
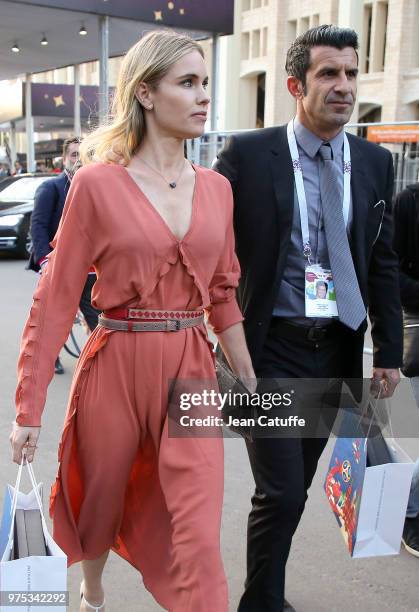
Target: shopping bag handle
34 487
17 488
14 501
374 406
374 409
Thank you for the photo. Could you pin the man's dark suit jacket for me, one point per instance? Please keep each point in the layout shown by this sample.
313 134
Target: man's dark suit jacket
48 208
258 165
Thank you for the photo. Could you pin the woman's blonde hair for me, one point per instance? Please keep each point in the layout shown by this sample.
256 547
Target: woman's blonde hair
147 61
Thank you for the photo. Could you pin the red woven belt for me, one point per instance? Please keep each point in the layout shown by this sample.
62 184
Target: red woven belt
137 319
143 314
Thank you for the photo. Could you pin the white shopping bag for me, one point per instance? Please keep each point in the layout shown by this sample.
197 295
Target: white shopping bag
38 579
369 501
397 453
383 508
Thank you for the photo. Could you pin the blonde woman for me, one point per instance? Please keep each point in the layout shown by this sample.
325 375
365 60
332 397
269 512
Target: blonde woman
159 232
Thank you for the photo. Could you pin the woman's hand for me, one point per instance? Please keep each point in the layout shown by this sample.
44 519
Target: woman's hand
233 344
249 381
23 437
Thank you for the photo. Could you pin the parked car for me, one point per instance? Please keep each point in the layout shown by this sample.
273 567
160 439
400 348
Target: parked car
6 180
17 195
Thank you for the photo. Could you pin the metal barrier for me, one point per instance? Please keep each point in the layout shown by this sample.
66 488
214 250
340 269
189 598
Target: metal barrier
405 153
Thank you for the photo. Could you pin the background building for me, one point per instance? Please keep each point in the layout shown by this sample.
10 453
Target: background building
252 75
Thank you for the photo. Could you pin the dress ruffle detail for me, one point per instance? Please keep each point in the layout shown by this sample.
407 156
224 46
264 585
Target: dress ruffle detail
224 287
29 347
97 341
189 267
158 273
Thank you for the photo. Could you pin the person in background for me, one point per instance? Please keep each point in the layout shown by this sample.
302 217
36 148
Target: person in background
57 165
406 245
18 168
4 170
48 208
41 167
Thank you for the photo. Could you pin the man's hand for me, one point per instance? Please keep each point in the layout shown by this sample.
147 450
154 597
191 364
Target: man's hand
387 379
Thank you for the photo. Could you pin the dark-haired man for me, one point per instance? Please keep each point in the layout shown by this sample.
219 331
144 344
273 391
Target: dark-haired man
18 168
308 199
48 208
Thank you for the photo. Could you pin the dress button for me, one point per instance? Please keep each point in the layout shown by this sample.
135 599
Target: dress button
259 323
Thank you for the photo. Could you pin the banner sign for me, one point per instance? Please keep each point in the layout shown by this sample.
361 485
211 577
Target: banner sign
51 100
393 133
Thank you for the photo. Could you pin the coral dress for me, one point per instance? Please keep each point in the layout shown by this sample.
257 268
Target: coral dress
123 482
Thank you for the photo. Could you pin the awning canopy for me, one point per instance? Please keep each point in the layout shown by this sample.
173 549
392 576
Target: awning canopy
25 23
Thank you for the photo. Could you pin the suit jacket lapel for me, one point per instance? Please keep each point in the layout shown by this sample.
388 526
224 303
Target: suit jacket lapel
283 185
66 183
360 201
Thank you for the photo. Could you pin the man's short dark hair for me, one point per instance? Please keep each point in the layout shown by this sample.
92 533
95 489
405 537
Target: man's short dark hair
68 142
298 55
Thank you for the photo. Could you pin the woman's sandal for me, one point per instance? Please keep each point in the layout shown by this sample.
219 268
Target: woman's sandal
89 605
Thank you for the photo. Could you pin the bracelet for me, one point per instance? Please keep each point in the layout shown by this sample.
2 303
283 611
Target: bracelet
17 425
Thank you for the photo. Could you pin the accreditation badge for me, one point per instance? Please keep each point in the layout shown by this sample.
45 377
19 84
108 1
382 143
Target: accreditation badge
320 296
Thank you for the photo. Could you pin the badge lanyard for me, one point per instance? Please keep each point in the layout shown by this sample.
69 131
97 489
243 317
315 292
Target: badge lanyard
301 194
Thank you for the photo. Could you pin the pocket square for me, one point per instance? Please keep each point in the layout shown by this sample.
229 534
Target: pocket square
383 202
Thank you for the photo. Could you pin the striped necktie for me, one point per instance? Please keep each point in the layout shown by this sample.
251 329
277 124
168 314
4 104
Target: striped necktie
351 309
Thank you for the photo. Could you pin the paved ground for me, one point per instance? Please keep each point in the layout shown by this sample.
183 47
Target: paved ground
321 576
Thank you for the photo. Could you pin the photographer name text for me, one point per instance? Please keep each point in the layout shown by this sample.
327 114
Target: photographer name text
262 420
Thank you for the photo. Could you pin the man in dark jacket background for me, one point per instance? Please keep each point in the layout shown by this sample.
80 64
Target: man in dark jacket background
48 208
406 244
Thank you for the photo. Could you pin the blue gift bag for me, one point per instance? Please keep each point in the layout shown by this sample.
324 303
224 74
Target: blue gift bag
343 485
6 519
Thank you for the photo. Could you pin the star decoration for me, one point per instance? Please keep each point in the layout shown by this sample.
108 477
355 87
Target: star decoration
46 96
58 101
171 6
158 16
181 11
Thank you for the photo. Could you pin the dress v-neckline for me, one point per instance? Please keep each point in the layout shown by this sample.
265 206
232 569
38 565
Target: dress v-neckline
158 214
